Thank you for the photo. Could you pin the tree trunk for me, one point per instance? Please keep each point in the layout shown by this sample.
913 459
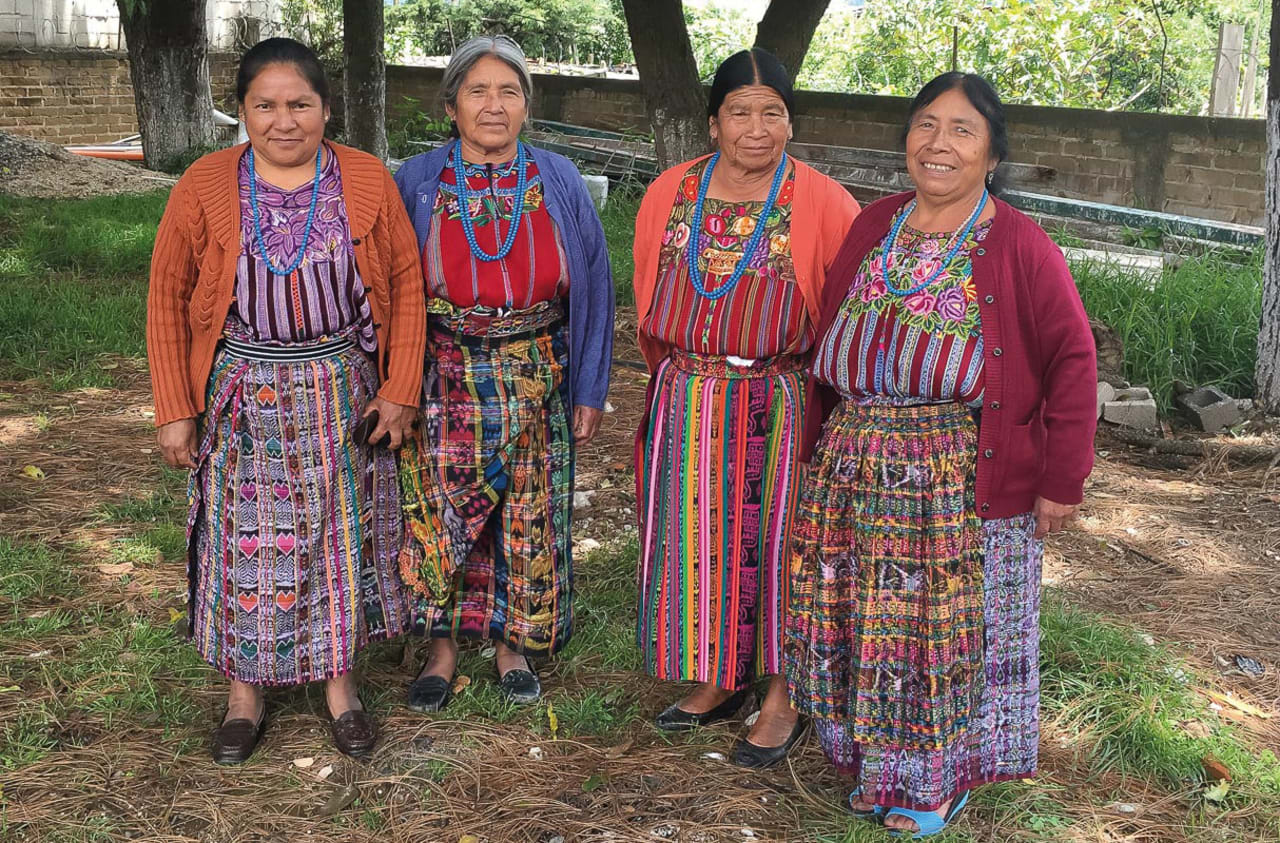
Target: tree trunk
787 29
365 80
1267 373
673 94
169 67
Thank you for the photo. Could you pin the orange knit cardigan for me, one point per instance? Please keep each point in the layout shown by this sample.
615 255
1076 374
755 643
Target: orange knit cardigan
193 269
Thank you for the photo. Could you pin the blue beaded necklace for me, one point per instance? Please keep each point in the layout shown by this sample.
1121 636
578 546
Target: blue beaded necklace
464 203
257 215
757 234
960 236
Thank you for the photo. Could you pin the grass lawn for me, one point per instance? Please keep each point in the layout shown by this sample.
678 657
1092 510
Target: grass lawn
104 709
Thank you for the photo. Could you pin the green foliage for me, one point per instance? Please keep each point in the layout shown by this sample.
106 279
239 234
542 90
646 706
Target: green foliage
619 220
411 130
1197 323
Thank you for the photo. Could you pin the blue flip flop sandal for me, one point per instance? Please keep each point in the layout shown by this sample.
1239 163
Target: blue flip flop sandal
876 812
928 821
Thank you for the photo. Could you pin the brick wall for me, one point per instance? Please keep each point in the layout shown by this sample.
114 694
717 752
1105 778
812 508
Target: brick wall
1197 166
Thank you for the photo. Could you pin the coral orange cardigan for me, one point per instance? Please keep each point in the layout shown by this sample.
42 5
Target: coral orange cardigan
822 212
193 268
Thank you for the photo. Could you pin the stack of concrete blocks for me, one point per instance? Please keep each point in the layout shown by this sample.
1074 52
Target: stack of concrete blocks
1130 407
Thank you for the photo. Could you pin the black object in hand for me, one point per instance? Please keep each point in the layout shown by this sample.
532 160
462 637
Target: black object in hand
365 429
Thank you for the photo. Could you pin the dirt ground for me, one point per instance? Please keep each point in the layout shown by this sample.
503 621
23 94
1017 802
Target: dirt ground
1187 553
43 170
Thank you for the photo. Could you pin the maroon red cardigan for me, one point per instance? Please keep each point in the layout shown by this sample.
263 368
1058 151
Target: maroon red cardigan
1035 437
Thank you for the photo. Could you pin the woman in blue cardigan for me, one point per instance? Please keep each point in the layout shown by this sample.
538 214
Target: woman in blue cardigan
519 342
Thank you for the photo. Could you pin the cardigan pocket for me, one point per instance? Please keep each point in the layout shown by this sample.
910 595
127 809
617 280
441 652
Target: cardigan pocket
1023 461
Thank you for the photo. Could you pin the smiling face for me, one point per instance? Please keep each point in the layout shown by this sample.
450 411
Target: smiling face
751 128
490 108
949 149
283 116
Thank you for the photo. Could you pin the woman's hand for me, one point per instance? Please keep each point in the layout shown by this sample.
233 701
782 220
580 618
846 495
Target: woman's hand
177 441
1052 517
395 419
586 423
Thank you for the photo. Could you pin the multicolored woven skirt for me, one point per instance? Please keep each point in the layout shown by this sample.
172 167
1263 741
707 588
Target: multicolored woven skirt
911 637
488 486
718 485
293 527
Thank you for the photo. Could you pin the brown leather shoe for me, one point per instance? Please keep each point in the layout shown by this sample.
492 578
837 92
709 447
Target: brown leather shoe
235 740
354 733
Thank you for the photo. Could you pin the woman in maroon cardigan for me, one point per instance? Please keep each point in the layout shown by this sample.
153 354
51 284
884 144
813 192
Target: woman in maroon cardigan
955 372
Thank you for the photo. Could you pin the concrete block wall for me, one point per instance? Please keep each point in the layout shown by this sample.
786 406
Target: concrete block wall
1202 167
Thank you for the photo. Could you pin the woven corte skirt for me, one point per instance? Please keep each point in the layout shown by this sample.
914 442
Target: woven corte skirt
488 487
294 528
717 486
912 637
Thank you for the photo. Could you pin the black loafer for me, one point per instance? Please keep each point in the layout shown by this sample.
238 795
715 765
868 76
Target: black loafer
521 686
429 693
747 754
676 719
355 733
234 741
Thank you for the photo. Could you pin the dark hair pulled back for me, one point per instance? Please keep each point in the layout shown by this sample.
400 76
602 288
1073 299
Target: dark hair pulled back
983 97
751 67
281 51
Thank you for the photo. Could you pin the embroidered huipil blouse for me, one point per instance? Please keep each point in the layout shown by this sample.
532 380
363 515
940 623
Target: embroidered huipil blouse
324 296
765 314
921 348
535 270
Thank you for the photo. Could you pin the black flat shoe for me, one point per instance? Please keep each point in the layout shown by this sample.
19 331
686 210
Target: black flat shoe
234 741
521 686
747 754
676 719
429 693
355 732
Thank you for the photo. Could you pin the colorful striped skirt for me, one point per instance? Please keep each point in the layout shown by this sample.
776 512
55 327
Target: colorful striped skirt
912 636
488 485
293 528
718 485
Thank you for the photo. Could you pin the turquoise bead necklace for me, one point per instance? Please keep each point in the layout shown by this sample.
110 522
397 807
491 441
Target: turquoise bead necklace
748 251
891 244
257 215
464 202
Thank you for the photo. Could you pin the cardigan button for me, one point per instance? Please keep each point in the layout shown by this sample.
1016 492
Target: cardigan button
986 506
982 251
988 453
355 241
990 299
997 352
995 405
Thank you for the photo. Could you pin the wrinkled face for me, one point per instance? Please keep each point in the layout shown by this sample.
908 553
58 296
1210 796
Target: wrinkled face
284 116
949 148
491 106
752 127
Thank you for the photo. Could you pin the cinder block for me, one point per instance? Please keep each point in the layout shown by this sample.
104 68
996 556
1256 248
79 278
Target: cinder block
1210 408
1133 407
1106 393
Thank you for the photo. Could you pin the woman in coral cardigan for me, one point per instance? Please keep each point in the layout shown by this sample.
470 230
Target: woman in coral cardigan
731 254
957 369
287 305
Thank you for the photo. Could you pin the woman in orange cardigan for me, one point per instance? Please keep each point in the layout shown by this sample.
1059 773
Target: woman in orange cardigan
731 253
287 305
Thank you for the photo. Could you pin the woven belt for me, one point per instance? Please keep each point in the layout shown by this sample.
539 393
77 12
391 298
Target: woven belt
717 366
494 322
299 353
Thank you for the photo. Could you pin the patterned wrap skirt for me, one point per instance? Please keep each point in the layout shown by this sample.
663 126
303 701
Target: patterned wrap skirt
488 485
717 484
293 527
912 637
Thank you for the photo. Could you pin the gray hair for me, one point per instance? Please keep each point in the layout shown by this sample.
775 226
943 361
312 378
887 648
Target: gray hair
501 47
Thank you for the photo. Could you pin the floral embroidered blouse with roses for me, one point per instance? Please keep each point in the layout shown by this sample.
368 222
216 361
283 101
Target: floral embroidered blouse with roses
918 349
324 296
764 315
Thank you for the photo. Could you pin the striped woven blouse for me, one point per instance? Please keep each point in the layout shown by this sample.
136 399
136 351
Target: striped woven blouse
765 315
324 296
921 348
535 270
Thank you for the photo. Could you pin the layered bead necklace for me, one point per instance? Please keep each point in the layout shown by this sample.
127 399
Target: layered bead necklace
957 240
257 216
748 251
464 202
